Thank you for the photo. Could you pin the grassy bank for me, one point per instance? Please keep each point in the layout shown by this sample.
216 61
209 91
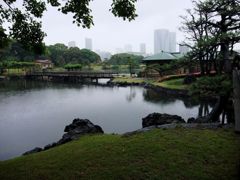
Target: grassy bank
158 154
170 84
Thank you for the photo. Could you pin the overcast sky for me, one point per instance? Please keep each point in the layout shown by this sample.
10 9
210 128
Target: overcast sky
110 32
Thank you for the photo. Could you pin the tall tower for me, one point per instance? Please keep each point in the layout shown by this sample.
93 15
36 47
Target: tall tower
88 43
172 42
161 40
143 48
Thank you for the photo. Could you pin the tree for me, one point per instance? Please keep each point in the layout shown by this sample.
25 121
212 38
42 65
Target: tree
25 24
214 25
123 59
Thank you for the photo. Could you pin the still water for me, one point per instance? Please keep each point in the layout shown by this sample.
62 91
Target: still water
35 113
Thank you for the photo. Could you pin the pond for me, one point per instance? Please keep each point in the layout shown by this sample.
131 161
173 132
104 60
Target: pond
34 114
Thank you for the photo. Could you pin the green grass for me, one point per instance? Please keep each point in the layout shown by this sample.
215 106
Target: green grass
158 154
128 80
173 84
170 84
15 72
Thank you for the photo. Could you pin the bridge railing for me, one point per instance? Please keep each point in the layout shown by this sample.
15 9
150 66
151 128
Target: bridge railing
73 73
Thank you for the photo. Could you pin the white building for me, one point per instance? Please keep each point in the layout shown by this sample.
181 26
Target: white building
71 44
88 43
164 41
143 48
172 42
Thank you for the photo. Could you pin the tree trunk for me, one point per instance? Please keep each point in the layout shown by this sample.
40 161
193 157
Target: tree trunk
218 109
236 98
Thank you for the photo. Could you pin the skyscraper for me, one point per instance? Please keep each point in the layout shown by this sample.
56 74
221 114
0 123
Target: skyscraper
88 43
164 41
71 44
172 42
143 48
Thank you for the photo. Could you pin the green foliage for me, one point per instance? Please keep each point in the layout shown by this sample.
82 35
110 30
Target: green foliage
16 52
216 85
125 59
15 65
212 25
158 154
61 55
25 25
172 66
72 67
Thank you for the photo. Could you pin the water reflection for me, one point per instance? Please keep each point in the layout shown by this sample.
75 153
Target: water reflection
204 106
35 113
132 94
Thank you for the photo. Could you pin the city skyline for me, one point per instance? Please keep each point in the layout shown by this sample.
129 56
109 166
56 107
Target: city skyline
109 32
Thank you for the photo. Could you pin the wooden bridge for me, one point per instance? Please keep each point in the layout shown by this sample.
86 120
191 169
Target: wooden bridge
73 76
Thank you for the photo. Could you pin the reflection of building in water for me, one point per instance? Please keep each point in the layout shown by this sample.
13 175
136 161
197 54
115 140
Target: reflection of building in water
131 95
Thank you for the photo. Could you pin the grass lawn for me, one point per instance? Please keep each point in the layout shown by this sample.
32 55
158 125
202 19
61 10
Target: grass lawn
129 80
173 84
158 154
15 72
170 84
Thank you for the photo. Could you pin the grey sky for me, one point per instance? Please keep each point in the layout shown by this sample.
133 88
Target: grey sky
110 32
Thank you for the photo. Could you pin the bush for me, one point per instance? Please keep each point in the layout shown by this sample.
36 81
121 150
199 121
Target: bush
72 67
216 85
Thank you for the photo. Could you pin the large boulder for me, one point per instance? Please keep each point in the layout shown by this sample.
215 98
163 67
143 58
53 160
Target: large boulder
77 128
156 119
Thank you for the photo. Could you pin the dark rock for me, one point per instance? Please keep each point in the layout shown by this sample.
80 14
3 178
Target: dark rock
155 119
50 146
191 120
189 79
35 150
76 129
203 119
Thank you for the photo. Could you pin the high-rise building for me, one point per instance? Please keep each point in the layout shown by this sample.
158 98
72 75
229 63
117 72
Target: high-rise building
164 41
143 48
88 43
72 44
183 49
172 42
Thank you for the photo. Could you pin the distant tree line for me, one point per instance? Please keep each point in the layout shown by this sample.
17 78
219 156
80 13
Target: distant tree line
58 53
125 59
62 55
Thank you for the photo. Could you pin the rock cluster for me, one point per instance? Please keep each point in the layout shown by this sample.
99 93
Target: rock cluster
156 119
76 129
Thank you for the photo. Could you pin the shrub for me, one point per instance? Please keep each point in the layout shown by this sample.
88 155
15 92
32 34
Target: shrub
216 85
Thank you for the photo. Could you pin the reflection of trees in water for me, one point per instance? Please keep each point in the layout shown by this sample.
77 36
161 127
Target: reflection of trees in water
203 109
155 97
131 95
19 85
